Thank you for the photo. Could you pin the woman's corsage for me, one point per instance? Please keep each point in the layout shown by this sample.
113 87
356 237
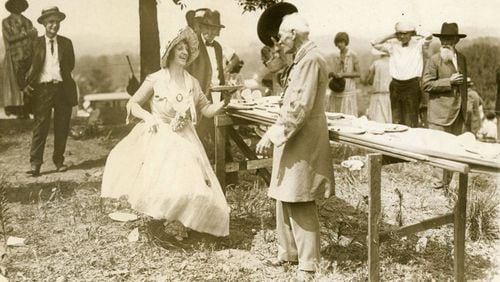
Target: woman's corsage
179 121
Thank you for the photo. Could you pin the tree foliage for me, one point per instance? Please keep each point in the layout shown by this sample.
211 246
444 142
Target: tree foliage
253 5
483 58
248 5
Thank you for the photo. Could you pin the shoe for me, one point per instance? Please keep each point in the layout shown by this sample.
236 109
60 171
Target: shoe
303 275
61 168
437 184
278 262
34 171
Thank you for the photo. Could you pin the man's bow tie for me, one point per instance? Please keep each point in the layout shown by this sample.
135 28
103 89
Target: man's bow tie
209 44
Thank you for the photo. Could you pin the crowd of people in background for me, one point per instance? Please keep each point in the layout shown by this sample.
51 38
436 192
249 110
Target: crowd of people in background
396 75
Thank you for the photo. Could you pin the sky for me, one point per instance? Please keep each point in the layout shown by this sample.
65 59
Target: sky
113 25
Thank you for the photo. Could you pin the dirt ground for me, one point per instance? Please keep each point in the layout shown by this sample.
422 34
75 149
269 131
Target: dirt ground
70 237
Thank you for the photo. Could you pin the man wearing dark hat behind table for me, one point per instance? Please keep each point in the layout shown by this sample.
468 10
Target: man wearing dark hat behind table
406 51
208 69
52 87
302 169
445 80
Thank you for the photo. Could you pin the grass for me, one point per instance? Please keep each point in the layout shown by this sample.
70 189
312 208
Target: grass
70 236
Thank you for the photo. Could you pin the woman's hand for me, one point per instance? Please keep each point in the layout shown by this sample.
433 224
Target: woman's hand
264 146
152 124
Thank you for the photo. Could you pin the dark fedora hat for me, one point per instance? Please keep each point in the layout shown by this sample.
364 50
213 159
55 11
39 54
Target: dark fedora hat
49 12
16 6
270 21
208 17
448 30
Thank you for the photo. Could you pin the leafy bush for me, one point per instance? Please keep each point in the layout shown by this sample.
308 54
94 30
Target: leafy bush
483 58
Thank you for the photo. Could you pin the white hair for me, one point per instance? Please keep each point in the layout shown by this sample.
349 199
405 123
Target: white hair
296 22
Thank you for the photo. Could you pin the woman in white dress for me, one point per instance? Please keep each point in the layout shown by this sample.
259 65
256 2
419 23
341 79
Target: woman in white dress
161 166
379 109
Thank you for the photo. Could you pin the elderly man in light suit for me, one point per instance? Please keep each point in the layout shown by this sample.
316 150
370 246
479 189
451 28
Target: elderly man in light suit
445 80
302 169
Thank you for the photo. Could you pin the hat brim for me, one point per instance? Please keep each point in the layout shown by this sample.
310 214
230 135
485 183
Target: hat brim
213 25
60 15
11 6
270 21
459 35
189 36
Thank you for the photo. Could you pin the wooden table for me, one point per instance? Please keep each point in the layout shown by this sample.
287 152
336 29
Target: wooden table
382 155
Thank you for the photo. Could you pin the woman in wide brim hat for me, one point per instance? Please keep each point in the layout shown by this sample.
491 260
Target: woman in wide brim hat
18 35
270 21
161 167
189 37
51 11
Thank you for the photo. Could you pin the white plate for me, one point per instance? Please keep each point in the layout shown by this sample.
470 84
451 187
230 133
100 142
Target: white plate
123 216
392 127
346 129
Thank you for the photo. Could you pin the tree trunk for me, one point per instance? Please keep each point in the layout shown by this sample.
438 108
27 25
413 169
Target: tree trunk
149 36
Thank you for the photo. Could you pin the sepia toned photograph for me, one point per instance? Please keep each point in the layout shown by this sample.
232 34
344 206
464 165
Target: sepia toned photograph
249 140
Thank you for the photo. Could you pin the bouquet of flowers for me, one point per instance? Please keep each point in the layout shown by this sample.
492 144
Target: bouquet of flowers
179 122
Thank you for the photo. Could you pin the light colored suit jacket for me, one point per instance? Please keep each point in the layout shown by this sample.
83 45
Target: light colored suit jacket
445 101
302 166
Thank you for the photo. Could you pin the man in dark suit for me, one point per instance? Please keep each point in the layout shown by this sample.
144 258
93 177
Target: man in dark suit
52 87
445 80
208 69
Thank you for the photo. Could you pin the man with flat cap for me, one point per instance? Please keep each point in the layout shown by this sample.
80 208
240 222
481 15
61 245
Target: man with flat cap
52 87
302 171
406 63
445 80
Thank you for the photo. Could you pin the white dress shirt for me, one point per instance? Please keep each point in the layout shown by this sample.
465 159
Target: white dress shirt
405 62
227 53
51 71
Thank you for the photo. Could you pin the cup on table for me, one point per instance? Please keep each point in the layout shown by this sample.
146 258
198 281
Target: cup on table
215 96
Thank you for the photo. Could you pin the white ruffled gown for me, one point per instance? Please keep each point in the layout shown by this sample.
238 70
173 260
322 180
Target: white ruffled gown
167 174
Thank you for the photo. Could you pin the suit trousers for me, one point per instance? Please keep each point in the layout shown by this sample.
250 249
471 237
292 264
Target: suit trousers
48 96
405 101
297 226
443 177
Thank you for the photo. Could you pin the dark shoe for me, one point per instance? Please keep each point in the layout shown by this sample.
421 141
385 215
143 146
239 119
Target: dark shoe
61 168
278 262
437 184
34 171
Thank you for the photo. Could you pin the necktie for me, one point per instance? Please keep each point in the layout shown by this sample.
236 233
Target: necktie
209 44
52 46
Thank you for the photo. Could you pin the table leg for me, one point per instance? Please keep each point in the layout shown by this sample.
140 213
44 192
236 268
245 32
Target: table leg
220 155
374 182
459 227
